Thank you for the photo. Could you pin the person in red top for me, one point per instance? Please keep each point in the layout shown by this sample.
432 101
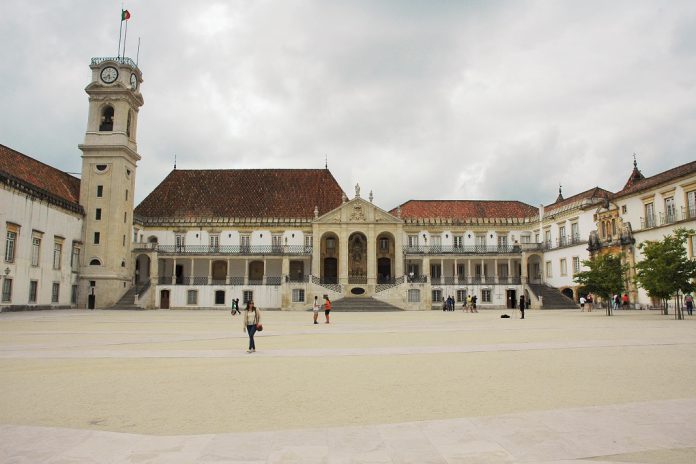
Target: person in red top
327 307
624 300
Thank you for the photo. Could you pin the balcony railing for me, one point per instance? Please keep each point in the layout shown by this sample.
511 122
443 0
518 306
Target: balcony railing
357 279
119 59
662 219
467 249
564 241
229 280
237 250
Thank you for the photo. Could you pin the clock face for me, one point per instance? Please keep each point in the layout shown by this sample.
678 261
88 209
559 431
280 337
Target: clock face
133 82
109 74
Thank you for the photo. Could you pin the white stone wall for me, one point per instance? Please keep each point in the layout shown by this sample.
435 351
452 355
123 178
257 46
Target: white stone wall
37 215
264 296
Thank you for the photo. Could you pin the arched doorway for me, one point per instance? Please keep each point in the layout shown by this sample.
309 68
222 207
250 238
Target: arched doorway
142 269
219 272
329 258
357 258
568 292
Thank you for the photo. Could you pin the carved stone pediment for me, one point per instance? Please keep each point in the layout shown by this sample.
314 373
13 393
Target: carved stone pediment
359 211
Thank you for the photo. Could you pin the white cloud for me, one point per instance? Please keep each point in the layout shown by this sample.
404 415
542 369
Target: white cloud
486 100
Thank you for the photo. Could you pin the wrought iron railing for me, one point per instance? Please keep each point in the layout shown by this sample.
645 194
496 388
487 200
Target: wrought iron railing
464 249
239 250
416 279
386 284
117 59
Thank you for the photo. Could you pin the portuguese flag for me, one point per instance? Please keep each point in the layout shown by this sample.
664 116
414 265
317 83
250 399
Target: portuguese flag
125 15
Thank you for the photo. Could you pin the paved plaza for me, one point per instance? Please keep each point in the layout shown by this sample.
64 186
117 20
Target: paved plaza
405 387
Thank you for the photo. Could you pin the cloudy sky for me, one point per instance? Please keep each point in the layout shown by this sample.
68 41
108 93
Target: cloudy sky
412 99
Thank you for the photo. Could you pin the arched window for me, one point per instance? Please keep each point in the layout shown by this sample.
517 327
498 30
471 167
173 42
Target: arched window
128 124
95 262
107 119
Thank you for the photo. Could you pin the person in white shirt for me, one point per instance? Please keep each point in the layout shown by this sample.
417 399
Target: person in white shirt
316 306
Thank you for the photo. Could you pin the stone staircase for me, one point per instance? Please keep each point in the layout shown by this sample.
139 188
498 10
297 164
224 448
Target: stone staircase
552 297
350 304
127 301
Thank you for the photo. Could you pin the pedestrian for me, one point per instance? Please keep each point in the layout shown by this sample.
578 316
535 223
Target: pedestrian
616 301
582 303
252 323
522 303
473 304
624 300
444 305
689 300
327 308
316 306
236 306
589 301
468 304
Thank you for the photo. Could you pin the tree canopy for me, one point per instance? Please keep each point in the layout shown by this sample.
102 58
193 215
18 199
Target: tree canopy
666 268
606 275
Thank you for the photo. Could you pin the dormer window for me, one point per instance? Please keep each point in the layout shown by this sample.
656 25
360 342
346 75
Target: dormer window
107 119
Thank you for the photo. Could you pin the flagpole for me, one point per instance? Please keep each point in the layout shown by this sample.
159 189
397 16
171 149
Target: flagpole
137 54
125 36
120 29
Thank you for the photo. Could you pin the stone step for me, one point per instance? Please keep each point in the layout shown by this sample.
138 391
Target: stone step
350 304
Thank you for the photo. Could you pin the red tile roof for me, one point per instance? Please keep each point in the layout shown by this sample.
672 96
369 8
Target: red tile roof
465 209
638 185
592 194
242 193
39 179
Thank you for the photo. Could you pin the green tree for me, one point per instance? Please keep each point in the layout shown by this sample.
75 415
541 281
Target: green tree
666 269
606 276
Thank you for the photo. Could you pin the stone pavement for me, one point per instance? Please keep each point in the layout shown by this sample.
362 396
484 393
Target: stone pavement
369 388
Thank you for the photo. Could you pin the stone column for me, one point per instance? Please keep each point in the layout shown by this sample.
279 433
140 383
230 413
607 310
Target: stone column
174 272
246 271
371 256
343 256
398 254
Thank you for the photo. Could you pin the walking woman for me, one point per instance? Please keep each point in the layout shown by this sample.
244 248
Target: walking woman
252 322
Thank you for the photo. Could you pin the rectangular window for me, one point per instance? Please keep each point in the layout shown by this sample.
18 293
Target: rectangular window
35 250
298 295
10 245
461 270
7 290
308 242
575 232
525 239
277 243
480 240
502 241
245 243
458 241
57 255
126 194
214 241
384 245
435 271
97 214
73 296
461 296
75 259
548 269
693 246
547 238
100 191
649 215
624 209
670 210
503 270
413 241
486 295
437 296
564 267
576 264
33 290
562 235
55 292
414 295
691 204
477 270
123 240
192 297
219 297
536 238
97 237
179 242
247 296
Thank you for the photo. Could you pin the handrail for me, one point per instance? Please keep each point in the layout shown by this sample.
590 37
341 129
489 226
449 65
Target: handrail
239 250
118 59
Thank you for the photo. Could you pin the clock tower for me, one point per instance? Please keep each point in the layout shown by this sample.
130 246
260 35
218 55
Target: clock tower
109 159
